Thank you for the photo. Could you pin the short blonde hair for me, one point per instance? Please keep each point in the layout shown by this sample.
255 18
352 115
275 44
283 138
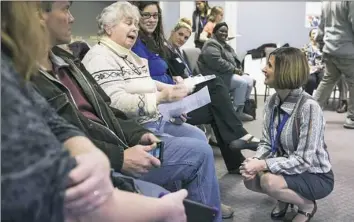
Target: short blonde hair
115 13
183 23
291 69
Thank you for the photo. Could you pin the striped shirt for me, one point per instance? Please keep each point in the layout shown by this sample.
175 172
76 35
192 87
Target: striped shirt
301 146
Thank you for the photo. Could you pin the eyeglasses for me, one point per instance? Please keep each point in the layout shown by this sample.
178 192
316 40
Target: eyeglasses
147 15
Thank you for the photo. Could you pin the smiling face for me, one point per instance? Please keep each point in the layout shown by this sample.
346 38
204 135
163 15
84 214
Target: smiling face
222 33
149 18
268 71
180 37
124 33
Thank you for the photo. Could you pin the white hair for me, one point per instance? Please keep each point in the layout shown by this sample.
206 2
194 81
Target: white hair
114 14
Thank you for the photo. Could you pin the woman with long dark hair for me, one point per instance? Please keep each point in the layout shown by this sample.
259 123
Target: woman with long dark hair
150 43
200 19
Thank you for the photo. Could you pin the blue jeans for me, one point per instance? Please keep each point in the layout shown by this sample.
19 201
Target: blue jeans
146 188
168 129
241 88
188 159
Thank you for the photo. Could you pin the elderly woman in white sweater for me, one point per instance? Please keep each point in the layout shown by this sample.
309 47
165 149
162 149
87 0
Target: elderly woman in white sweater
125 78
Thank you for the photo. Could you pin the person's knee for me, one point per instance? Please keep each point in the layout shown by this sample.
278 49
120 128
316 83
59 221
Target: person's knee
243 82
269 184
199 134
239 81
192 149
249 81
201 149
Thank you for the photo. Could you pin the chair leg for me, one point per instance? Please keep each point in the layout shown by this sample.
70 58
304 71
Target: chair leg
265 93
334 97
255 95
255 91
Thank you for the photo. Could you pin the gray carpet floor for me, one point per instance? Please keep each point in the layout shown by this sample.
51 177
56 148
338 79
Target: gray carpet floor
338 206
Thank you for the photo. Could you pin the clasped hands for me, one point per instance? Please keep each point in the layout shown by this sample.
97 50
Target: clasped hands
251 166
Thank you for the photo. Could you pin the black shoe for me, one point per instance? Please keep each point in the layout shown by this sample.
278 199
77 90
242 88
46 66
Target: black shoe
307 214
277 213
244 144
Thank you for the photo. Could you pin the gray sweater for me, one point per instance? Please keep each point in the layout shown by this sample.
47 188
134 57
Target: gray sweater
34 164
337 28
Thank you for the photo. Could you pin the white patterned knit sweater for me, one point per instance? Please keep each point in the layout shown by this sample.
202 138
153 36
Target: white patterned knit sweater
125 77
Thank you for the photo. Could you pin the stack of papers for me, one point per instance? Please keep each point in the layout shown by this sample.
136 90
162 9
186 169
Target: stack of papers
186 105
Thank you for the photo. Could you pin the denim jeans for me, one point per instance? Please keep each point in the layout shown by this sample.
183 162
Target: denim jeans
146 188
168 129
241 88
188 159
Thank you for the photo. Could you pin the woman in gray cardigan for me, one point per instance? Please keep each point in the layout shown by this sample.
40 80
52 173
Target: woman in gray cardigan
219 58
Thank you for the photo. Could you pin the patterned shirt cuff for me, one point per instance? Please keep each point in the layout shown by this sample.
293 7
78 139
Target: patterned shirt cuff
272 164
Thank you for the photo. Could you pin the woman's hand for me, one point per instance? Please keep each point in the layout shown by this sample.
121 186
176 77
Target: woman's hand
252 166
89 183
172 93
238 72
247 176
178 79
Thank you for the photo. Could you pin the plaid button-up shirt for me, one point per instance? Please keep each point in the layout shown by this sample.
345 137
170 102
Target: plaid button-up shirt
301 148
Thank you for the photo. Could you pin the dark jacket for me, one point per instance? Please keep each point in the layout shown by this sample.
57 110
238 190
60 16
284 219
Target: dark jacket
218 59
117 134
176 62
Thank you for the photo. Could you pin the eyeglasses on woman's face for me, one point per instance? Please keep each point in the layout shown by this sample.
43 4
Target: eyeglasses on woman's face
147 15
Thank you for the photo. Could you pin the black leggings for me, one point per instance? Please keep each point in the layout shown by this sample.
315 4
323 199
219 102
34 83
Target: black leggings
222 117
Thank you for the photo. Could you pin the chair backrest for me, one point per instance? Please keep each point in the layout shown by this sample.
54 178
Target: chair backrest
191 55
267 51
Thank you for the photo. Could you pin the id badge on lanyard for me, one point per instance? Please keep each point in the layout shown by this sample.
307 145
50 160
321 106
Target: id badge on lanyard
275 139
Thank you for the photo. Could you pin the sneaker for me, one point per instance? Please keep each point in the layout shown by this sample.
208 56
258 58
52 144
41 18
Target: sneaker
227 212
349 123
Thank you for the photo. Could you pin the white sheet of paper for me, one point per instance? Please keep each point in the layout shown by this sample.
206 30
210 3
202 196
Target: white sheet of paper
186 105
195 80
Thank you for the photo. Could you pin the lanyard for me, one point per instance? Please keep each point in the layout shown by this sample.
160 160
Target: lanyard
275 139
179 54
184 61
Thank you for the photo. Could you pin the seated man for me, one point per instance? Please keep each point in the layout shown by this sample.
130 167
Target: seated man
71 90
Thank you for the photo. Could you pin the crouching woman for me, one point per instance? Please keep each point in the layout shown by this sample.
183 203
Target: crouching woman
292 163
